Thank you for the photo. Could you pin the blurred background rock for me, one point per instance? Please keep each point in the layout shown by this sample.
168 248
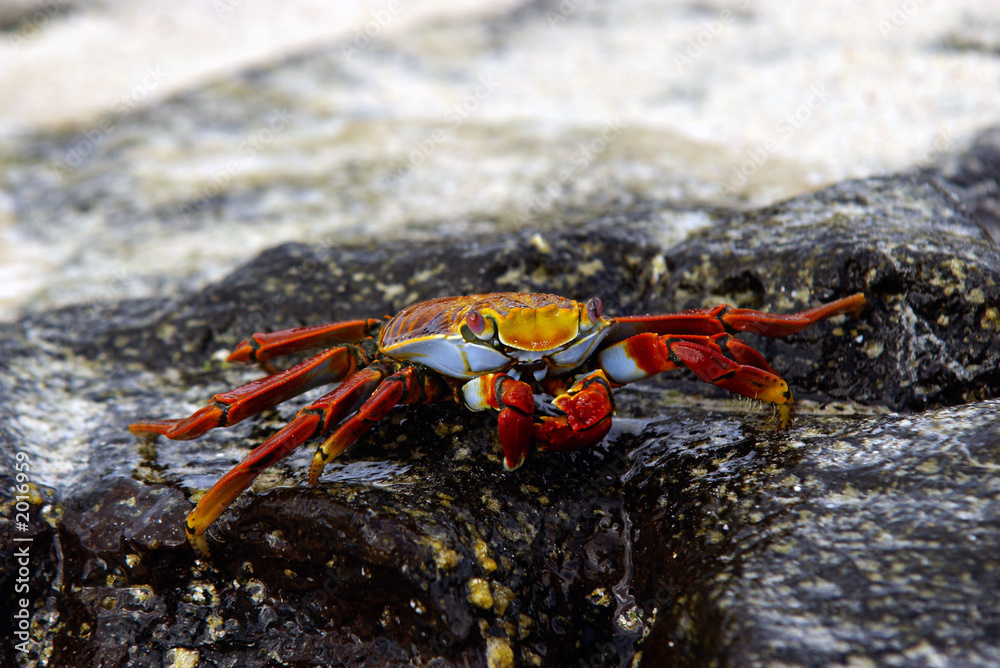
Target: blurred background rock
149 147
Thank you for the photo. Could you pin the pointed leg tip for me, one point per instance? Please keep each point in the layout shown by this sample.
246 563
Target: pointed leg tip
242 354
858 302
513 466
316 468
196 539
183 429
151 429
325 453
784 414
200 545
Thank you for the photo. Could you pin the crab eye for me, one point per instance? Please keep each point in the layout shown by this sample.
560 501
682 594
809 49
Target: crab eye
595 309
476 322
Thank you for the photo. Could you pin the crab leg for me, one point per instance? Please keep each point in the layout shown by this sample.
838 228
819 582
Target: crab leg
311 420
230 407
264 346
645 355
722 318
734 349
406 386
516 404
587 406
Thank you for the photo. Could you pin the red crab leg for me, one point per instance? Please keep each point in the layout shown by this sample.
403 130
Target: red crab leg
311 420
406 386
230 407
264 346
732 348
645 355
516 404
588 406
722 318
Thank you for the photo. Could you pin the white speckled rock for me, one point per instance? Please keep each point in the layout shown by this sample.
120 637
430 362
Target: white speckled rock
214 130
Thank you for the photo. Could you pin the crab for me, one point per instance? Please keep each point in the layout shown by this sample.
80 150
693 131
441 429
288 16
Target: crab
489 352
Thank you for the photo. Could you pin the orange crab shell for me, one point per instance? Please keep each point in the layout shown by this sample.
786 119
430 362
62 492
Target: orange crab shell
517 328
523 321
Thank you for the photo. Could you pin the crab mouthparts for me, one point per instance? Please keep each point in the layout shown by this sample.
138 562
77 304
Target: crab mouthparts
537 368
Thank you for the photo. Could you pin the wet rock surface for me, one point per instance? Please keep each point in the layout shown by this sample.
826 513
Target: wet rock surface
696 534
846 542
971 174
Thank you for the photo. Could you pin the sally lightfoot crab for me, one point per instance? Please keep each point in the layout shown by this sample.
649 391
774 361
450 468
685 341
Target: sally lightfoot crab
492 351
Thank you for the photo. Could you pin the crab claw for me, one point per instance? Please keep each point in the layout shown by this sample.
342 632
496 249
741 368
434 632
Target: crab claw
514 425
588 407
516 404
515 430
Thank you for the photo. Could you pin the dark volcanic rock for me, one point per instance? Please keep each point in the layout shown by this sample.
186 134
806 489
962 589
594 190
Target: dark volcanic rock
971 174
694 535
929 271
847 542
